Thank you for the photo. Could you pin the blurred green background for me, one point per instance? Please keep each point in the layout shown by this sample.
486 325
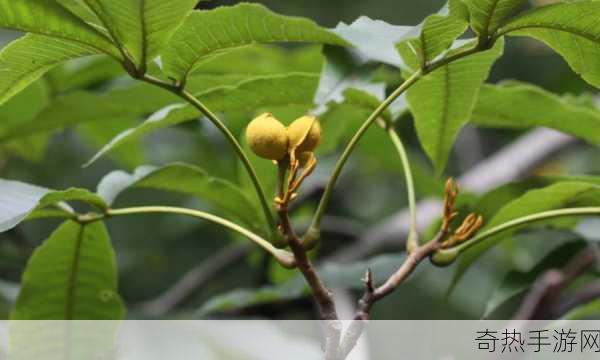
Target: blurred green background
154 252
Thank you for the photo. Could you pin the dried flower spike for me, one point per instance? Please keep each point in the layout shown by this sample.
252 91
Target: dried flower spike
471 224
450 194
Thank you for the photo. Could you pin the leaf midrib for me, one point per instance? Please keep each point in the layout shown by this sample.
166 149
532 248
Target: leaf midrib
73 275
144 29
64 38
439 150
113 36
488 20
556 28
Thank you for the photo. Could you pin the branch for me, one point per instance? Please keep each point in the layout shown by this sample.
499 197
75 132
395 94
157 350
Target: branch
321 294
373 295
541 300
509 164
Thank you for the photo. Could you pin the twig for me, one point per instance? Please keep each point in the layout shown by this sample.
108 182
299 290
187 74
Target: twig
373 294
193 279
445 238
319 292
507 165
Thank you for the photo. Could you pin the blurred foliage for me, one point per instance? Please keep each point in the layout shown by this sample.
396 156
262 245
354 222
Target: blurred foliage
40 146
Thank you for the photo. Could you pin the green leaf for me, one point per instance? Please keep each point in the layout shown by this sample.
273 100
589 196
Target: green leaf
79 9
83 73
491 202
442 101
18 200
556 196
24 107
438 33
168 116
259 59
51 19
141 27
336 276
26 59
346 96
488 15
133 101
83 106
185 179
71 276
342 119
257 93
260 93
96 134
521 106
571 29
205 33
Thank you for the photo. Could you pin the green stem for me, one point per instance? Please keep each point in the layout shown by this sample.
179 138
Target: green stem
283 257
523 221
316 223
229 136
413 236
313 232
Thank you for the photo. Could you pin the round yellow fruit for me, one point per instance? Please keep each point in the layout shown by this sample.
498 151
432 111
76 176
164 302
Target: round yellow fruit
304 134
267 137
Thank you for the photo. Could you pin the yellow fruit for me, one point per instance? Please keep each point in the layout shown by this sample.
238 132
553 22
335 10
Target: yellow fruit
304 134
305 158
267 137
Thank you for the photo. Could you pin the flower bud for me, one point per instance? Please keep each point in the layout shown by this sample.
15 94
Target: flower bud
267 137
304 134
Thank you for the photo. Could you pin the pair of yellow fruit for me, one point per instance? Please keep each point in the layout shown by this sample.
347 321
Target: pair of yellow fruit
270 139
